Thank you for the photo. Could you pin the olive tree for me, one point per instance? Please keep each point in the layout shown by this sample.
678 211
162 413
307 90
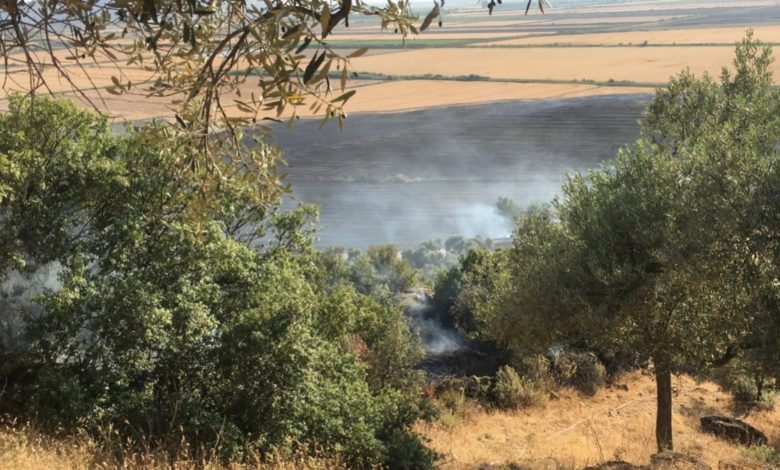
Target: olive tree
663 250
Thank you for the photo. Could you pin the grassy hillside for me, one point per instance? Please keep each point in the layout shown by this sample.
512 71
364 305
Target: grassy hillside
571 431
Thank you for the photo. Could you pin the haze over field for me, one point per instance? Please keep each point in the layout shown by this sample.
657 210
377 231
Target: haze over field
439 172
602 49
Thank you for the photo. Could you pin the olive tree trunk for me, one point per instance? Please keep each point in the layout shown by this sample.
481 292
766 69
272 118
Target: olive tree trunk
663 422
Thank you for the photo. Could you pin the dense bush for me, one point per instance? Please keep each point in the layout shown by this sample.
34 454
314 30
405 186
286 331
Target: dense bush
379 271
463 291
749 385
433 257
538 369
589 373
189 314
512 390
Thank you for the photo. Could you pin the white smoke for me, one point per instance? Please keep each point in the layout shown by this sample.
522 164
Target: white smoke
435 338
17 301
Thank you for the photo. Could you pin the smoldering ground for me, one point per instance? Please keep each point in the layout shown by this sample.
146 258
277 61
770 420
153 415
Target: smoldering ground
407 177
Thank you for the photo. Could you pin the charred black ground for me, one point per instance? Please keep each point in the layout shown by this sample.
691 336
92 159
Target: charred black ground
437 173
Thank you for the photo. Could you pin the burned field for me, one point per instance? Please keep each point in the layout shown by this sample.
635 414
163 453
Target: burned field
438 172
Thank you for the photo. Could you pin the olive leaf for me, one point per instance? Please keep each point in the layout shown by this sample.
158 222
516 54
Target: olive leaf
429 19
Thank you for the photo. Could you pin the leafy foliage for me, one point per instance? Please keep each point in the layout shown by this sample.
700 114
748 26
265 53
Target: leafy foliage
669 250
514 391
432 257
178 318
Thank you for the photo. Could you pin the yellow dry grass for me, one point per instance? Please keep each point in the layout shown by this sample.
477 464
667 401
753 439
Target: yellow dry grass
572 430
673 36
373 97
23 448
414 94
641 64
577 431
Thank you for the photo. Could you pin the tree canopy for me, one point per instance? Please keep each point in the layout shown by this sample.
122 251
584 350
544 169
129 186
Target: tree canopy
669 250
177 320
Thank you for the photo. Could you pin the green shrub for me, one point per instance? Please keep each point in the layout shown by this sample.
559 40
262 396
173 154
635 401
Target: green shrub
453 400
538 369
590 374
582 371
173 324
563 368
451 404
512 391
747 382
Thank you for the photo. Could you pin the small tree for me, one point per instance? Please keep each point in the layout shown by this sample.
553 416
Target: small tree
657 252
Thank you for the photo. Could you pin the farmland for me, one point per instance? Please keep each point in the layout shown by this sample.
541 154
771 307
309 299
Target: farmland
525 241
612 55
571 51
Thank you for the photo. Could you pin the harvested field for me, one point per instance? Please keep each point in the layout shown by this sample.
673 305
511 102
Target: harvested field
434 34
664 5
374 96
405 95
679 36
557 16
449 148
641 65
450 52
608 20
575 431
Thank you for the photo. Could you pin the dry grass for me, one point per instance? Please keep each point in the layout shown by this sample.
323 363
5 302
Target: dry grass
569 432
642 65
415 94
23 448
668 37
373 96
577 431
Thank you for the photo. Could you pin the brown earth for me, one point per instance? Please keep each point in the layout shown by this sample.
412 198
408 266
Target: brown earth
641 64
679 36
